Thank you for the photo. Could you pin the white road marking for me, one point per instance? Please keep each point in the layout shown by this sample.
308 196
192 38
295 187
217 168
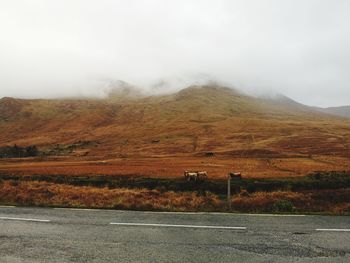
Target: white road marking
278 215
24 219
180 226
333 229
7 206
80 209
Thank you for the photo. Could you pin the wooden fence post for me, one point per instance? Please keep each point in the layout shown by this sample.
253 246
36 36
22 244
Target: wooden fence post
229 191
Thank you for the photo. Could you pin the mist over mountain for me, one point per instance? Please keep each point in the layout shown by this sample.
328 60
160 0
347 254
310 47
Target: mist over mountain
72 49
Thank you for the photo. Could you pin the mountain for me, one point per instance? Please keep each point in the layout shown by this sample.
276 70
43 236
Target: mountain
343 111
195 121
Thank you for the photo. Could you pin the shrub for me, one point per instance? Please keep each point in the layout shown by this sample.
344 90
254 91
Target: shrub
31 151
283 206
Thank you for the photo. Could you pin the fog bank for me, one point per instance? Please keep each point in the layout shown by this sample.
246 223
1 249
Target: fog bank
74 48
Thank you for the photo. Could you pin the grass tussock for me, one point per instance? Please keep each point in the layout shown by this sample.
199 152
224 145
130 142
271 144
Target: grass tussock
35 193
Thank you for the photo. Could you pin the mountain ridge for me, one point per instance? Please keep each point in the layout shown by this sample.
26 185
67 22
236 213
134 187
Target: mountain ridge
193 121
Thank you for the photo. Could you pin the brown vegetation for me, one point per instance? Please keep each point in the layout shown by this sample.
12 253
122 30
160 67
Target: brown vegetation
333 201
172 167
60 195
209 128
192 122
48 194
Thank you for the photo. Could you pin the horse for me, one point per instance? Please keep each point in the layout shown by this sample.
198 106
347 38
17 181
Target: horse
195 176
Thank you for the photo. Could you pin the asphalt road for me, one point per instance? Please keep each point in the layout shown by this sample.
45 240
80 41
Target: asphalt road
67 235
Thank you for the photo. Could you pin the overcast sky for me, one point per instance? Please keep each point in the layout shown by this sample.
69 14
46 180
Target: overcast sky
300 48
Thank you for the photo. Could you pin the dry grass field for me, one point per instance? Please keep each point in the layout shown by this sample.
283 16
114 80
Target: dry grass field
173 167
60 195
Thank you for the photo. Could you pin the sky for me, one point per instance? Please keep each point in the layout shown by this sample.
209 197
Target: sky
299 48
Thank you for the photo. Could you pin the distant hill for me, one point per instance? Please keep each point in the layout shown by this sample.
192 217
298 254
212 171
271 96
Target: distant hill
193 121
343 111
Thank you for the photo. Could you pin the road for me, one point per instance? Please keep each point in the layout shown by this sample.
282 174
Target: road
73 235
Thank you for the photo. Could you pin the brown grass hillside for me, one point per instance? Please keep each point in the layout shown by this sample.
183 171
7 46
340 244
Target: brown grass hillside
255 135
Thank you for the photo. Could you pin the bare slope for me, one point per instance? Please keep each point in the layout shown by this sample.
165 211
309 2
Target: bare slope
194 121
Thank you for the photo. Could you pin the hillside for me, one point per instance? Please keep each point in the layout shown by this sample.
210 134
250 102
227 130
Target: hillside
339 111
194 121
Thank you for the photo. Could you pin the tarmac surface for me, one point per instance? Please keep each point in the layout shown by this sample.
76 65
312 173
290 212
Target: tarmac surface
85 235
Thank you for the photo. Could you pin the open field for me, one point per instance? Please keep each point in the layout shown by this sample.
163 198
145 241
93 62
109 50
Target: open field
317 192
158 184
173 167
